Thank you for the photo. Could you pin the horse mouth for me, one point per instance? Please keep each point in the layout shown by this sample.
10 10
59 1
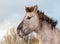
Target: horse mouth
21 34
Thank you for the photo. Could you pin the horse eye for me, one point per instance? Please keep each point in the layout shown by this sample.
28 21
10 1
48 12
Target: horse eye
28 17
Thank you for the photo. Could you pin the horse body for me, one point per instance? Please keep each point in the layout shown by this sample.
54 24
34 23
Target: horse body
42 25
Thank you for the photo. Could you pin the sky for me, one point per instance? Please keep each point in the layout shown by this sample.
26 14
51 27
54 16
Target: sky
13 11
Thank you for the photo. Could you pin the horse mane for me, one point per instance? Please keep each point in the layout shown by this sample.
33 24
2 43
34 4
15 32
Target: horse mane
43 17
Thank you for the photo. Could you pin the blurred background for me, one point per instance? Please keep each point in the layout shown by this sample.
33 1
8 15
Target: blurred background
13 11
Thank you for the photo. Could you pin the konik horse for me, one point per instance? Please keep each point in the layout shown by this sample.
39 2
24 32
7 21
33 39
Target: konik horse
36 21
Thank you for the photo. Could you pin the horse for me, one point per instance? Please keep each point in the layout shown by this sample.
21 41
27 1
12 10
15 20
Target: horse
44 26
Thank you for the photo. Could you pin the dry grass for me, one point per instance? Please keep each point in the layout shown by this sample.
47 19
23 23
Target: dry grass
12 38
35 41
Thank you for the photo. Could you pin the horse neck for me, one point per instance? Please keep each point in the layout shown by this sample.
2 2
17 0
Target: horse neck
44 27
45 31
48 28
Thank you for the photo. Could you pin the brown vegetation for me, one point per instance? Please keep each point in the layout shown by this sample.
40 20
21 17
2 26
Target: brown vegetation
12 38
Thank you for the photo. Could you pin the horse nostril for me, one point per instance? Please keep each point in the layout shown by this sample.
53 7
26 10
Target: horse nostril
28 17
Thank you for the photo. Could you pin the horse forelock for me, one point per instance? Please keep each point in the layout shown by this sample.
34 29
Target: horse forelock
29 9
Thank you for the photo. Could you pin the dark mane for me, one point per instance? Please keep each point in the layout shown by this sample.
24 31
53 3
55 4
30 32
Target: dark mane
44 17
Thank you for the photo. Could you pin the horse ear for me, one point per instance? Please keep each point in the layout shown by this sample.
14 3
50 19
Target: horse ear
35 9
